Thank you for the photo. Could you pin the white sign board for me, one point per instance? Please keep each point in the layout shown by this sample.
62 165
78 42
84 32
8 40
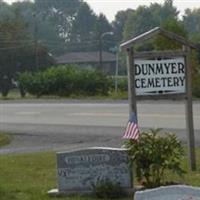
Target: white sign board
166 76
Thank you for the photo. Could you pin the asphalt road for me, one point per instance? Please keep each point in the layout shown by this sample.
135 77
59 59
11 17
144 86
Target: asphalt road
60 125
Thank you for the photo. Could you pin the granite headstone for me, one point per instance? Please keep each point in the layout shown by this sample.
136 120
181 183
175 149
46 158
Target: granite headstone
173 192
80 170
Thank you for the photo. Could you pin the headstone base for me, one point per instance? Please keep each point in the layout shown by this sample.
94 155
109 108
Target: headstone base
57 193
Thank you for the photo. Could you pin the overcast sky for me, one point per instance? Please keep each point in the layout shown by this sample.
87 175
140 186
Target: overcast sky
110 7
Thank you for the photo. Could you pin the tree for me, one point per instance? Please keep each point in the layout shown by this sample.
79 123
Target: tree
156 14
137 23
83 30
4 9
191 21
172 25
53 17
71 25
10 42
168 11
17 51
60 13
119 23
102 26
13 38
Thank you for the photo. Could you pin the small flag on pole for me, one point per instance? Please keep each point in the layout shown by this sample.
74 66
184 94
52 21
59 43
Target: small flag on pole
132 131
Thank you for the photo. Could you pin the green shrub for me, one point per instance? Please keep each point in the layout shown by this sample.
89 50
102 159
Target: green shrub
5 85
24 79
107 189
64 81
122 84
5 139
153 155
27 82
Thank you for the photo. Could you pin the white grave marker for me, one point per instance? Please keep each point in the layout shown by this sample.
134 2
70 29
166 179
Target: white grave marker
173 192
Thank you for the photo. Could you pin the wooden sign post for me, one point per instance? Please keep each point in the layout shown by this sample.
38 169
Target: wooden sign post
189 113
131 83
161 75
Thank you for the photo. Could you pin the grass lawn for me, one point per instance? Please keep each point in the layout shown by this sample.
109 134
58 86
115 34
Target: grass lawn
30 176
15 95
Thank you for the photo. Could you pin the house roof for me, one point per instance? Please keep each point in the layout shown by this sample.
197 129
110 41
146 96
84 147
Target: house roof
155 31
85 57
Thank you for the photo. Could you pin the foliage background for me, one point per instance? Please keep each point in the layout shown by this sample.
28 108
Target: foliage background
32 33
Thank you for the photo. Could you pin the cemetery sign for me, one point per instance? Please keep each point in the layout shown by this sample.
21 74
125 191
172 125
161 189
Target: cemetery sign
160 76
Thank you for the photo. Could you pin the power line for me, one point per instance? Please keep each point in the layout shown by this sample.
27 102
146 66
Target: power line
15 42
74 42
49 44
15 47
5 39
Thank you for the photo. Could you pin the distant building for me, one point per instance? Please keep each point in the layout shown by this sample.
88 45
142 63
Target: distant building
89 60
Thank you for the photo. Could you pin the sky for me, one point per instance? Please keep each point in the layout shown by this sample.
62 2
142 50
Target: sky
111 7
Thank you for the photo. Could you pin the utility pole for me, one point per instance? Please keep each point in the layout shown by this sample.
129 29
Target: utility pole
36 40
115 50
100 53
101 48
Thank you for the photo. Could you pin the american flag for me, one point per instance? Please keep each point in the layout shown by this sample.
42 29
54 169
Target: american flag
132 131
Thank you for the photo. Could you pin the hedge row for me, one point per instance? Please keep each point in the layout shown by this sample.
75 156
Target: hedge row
68 80
64 81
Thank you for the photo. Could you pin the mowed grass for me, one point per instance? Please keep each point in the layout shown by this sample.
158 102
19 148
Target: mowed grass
191 177
29 177
15 95
26 177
